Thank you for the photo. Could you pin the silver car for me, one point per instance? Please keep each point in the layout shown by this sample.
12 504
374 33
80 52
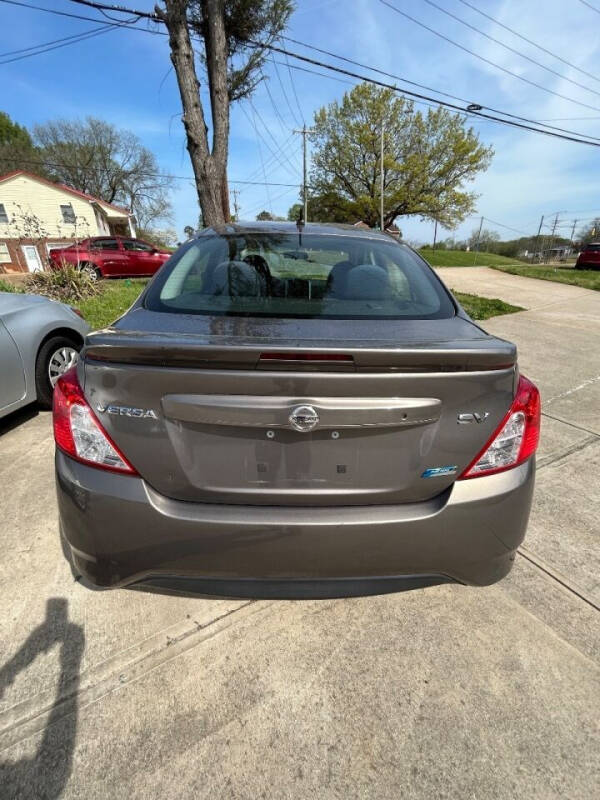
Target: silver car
294 411
39 341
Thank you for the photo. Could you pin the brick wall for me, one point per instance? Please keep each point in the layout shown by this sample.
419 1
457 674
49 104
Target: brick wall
17 261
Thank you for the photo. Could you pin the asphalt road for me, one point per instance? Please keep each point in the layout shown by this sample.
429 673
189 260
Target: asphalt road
443 692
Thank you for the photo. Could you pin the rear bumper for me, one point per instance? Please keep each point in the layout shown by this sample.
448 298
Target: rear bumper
121 532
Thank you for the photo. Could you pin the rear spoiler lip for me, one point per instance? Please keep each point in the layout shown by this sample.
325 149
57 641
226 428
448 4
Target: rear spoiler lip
443 358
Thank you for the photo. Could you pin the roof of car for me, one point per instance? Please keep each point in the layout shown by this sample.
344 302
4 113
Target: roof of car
330 228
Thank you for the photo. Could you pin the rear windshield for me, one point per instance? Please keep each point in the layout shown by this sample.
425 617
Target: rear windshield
593 248
299 275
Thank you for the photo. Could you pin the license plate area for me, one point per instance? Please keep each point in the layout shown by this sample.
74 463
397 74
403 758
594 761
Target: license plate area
271 462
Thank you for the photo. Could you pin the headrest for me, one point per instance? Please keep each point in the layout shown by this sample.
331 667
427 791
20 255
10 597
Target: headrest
367 282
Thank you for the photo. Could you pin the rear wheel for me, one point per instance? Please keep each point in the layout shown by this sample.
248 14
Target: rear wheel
56 356
91 271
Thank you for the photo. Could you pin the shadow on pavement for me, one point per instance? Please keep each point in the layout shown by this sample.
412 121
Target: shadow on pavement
16 418
47 772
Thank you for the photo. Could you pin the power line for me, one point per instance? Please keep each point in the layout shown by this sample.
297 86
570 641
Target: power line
120 9
429 88
294 90
280 119
53 41
71 15
589 5
508 228
146 174
259 135
529 41
287 99
268 193
273 139
487 60
271 161
509 48
473 109
41 48
260 206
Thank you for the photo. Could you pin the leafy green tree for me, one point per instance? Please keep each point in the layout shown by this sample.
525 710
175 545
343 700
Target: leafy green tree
17 150
295 212
333 207
264 216
428 159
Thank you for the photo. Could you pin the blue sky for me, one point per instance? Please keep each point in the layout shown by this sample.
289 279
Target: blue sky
126 77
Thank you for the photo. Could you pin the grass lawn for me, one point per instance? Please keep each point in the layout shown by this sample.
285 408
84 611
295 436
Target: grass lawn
484 308
460 258
587 278
117 295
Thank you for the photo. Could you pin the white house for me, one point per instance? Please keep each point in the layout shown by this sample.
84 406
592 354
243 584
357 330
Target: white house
37 215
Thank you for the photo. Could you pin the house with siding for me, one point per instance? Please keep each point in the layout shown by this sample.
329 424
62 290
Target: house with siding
37 215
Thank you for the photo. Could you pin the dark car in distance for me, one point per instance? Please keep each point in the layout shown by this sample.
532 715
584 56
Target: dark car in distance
294 411
111 257
589 257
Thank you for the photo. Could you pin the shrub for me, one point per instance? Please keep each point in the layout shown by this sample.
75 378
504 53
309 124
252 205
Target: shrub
65 284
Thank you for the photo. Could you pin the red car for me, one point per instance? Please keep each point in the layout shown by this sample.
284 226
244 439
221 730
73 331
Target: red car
111 257
589 258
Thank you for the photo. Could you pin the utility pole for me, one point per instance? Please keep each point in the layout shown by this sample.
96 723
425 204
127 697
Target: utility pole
381 223
434 234
573 231
554 224
304 131
538 242
478 239
236 205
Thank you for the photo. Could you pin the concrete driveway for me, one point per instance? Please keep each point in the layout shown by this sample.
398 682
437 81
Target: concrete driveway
524 292
443 692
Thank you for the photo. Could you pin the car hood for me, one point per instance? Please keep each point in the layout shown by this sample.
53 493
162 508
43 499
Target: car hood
12 302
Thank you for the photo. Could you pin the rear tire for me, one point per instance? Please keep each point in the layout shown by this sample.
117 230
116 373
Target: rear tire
91 271
57 355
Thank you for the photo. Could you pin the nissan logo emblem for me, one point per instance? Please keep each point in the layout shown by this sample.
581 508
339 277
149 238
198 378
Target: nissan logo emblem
304 419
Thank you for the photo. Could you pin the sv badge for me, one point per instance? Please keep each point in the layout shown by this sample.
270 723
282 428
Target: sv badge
475 416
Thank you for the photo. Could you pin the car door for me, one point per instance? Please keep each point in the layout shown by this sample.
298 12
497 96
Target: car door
144 258
107 254
12 385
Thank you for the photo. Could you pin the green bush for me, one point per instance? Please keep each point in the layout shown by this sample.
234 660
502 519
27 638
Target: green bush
66 284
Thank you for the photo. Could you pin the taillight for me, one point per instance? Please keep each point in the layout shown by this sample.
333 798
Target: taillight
515 439
293 356
77 431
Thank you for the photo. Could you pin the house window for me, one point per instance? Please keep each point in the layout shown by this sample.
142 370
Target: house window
68 214
4 254
3 214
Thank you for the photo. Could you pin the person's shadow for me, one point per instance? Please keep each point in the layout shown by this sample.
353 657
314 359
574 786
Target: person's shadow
45 775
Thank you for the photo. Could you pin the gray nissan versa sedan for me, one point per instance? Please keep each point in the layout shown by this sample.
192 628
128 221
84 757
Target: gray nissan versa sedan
294 411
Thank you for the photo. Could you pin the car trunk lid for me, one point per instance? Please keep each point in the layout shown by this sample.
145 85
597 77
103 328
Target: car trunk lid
386 397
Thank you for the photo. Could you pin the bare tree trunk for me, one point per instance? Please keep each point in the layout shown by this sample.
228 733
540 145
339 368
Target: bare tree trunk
209 168
215 46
